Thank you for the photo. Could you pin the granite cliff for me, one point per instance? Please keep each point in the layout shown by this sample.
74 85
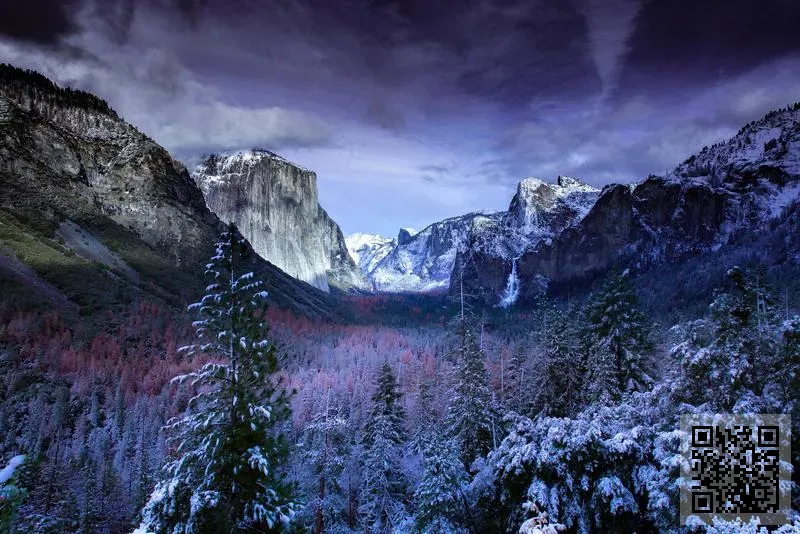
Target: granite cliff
100 212
275 205
732 192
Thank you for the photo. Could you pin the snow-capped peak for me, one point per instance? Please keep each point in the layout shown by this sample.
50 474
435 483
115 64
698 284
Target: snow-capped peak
566 186
238 161
538 206
423 261
771 143
368 249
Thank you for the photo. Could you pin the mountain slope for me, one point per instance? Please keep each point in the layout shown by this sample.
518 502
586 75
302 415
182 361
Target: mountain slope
99 211
275 204
368 249
426 260
710 201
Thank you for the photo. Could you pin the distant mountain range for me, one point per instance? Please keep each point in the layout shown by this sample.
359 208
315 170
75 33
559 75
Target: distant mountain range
568 233
93 213
424 261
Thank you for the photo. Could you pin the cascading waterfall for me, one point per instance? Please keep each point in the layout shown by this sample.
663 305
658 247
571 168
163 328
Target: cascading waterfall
511 292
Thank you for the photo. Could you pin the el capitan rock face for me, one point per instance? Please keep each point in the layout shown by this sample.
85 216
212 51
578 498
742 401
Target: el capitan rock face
275 205
68 161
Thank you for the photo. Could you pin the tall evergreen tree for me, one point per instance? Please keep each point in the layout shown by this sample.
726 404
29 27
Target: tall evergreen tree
561 377
384 487
439 498
471 419
427 416
324 449
226 474
616 338
731 364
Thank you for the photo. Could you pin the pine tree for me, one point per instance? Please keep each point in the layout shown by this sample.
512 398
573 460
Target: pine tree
617 341
384 485
560 378
730 366
471 413
227 473
426 417
439 497
324 449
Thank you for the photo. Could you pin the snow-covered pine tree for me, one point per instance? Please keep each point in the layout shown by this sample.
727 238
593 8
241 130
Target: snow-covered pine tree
471 417
725 359
384 488
324 447
427 416
617 341
439 498
559 379
226 474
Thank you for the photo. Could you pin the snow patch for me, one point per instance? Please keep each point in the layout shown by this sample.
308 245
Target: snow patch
8 471
89 247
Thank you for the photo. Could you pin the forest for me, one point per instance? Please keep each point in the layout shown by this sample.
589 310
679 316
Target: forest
564 417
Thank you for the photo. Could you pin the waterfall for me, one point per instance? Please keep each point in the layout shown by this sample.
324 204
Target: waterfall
511 292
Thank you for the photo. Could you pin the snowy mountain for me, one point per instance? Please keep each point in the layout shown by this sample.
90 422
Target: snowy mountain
424 261
275 204
538 207
721 197
368 249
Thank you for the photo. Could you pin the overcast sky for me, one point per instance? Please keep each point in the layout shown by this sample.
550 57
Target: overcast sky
411 112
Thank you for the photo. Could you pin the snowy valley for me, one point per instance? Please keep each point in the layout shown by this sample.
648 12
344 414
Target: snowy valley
206 352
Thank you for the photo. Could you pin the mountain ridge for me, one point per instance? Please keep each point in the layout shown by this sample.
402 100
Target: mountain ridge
425 261
88 199
734 187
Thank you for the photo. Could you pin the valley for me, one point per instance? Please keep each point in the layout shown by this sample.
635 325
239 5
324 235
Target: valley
439 380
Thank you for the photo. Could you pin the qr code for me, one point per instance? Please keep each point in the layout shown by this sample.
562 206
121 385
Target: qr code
736 467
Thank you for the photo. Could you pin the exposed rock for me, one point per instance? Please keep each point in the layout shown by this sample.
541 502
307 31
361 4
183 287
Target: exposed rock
275 205
430 259
731 188
541 208
405 235
66 156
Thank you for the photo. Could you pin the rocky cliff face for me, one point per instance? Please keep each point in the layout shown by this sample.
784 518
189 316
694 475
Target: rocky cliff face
68 162
427 260
733 188
538 213
541 208
275 205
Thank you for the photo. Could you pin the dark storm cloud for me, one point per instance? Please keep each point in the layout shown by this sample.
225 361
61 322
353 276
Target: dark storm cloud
417 110
685 43
38 21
